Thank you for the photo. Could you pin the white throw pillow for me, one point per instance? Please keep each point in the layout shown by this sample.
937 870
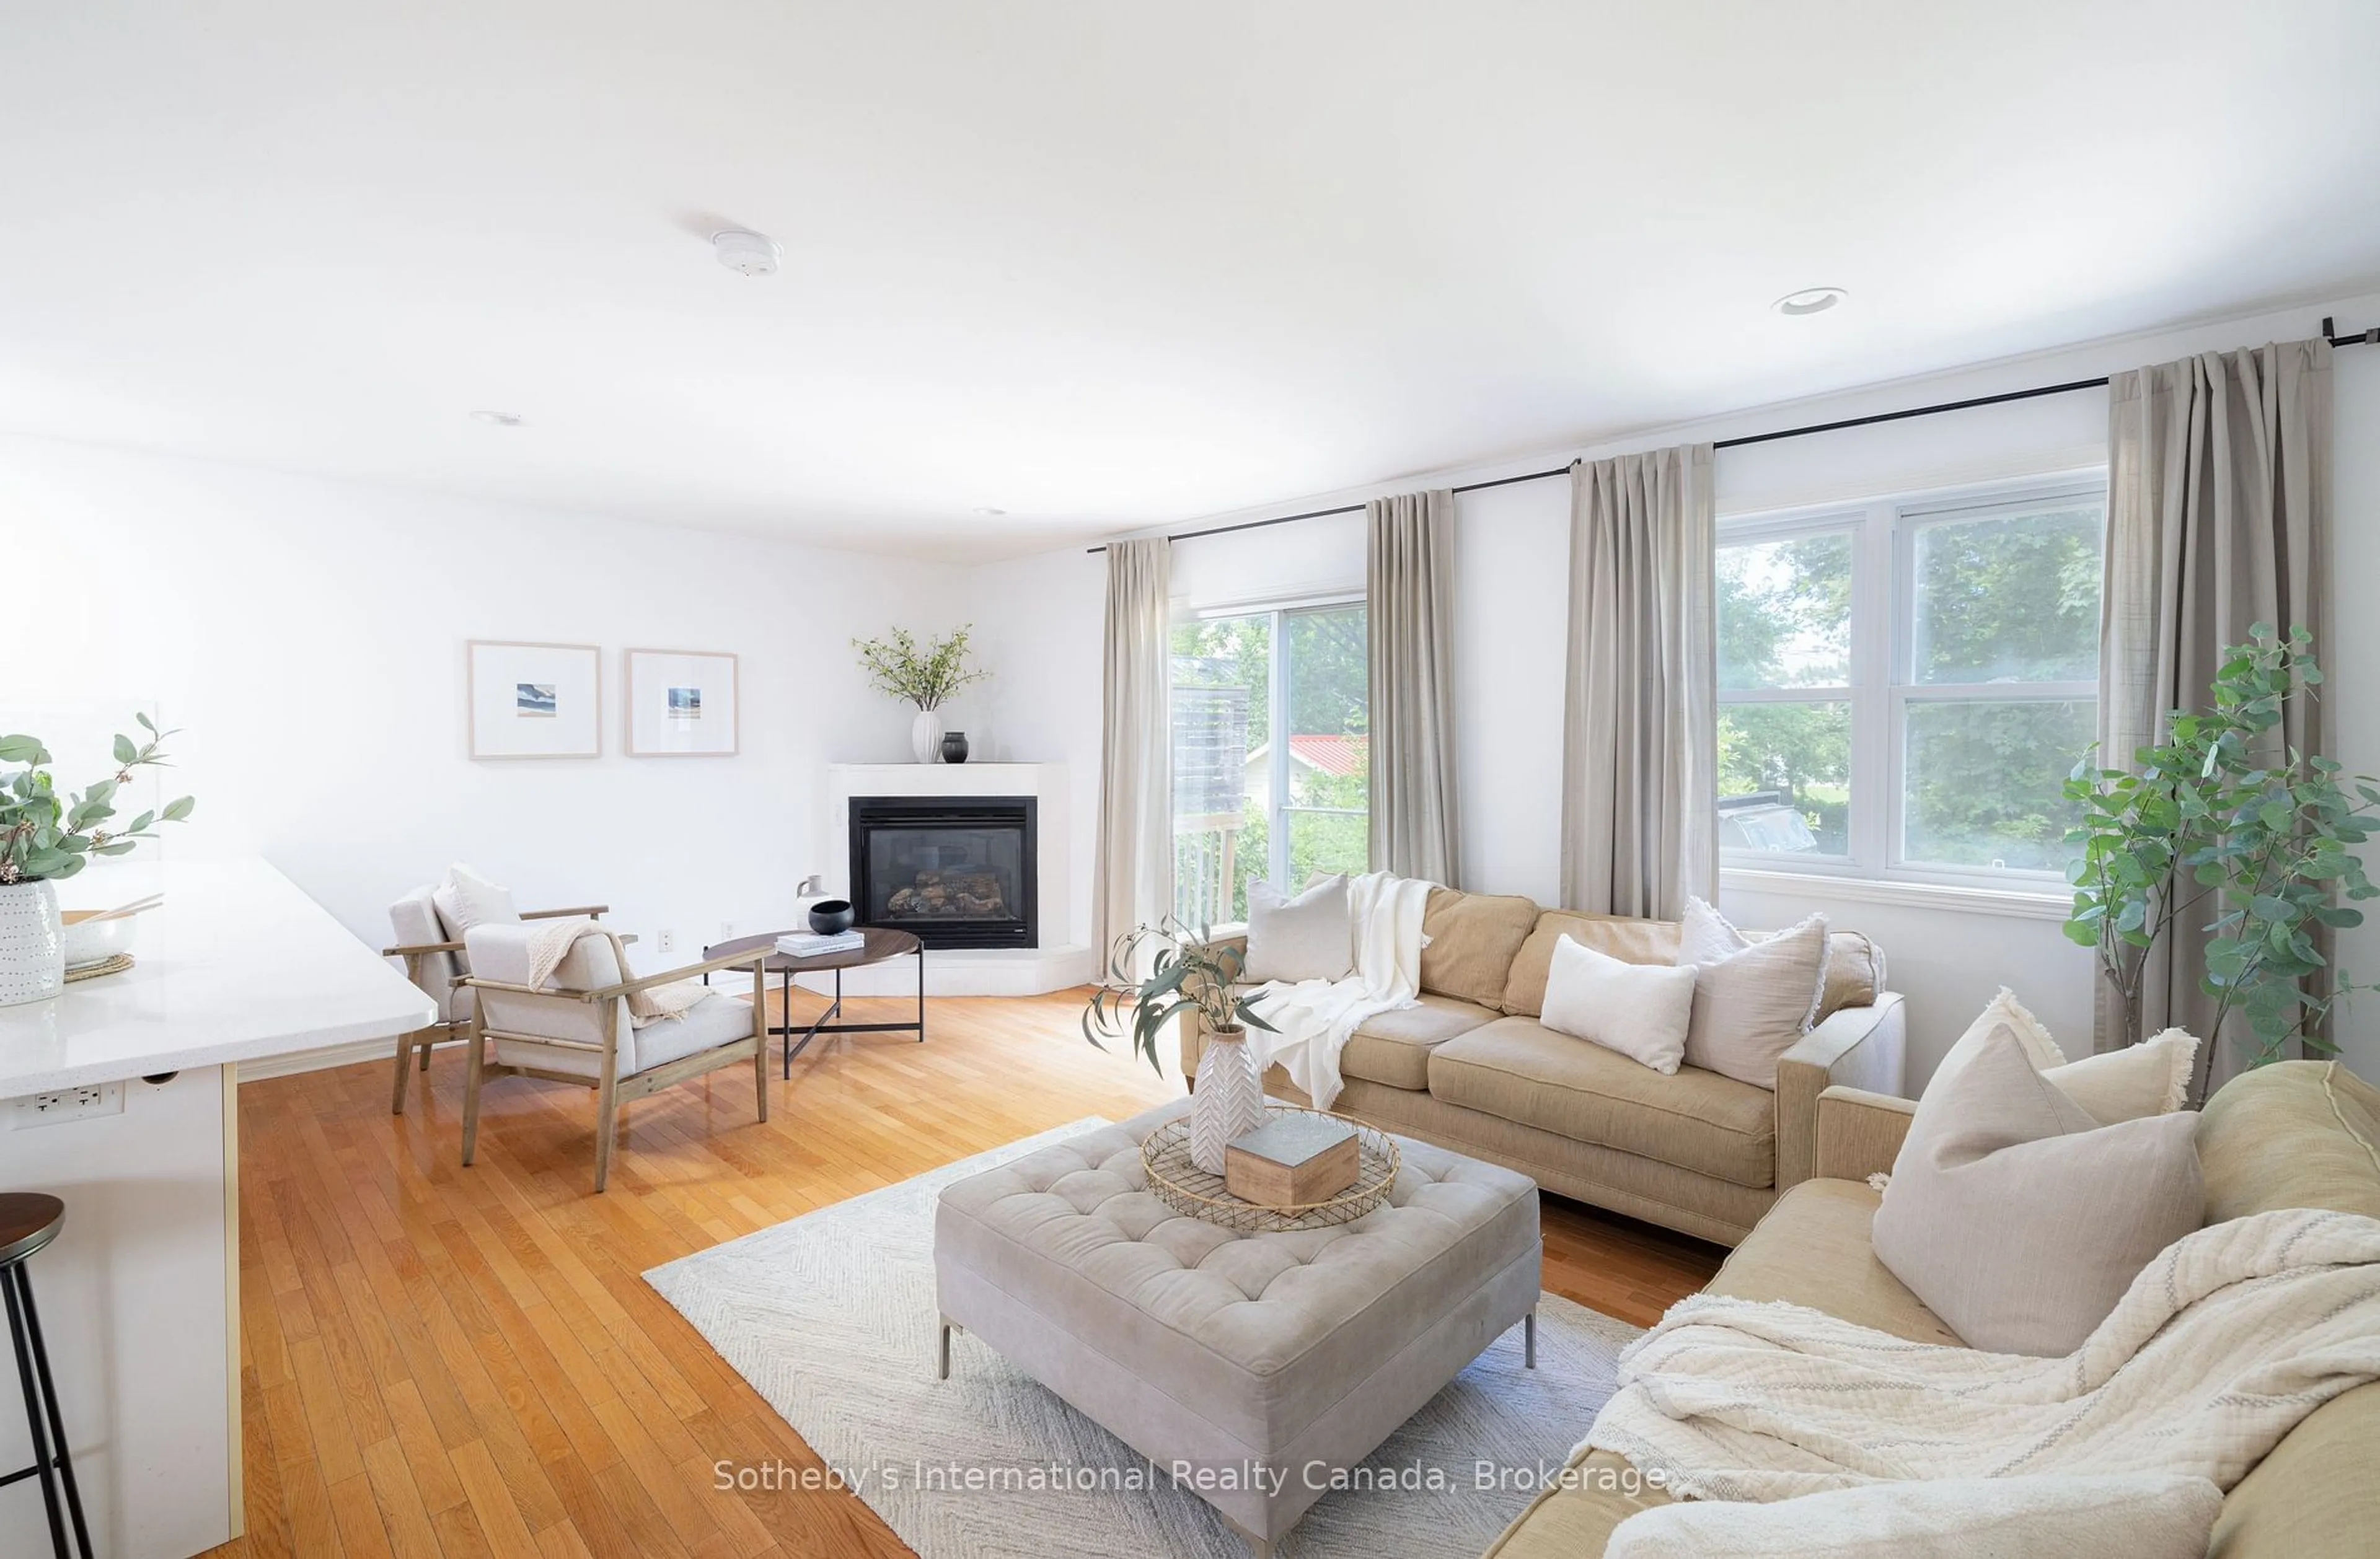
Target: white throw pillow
466 899
1753 1000
1640 1010
2137 1515
1309 937
2150 1078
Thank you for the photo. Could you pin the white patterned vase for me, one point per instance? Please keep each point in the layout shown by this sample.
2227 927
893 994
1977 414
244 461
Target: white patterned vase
1229 1101
926 736
32 949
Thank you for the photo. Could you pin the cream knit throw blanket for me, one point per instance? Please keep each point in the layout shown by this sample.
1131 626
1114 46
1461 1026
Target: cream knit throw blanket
548 942
2220 1346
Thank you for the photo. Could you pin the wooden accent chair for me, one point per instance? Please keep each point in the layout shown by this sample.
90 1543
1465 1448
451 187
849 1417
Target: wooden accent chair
435 962
578 1030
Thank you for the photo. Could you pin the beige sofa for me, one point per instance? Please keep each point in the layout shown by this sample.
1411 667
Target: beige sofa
2299 1134
1472 1069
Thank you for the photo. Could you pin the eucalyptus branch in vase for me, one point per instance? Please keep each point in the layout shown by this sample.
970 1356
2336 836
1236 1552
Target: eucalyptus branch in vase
923 674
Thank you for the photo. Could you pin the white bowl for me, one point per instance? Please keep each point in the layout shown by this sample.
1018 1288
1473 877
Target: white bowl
95 942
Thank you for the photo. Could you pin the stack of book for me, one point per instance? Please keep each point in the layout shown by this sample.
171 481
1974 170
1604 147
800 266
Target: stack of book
809 944
1294 1160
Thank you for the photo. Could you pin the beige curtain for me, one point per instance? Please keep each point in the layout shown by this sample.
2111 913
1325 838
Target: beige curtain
2218 517
1133 872
1640 735
1409 601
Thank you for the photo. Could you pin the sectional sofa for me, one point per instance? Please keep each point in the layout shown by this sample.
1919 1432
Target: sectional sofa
2296 1134
1472 1069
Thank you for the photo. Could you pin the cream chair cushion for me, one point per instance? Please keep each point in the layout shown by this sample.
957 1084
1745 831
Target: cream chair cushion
414 919
590 965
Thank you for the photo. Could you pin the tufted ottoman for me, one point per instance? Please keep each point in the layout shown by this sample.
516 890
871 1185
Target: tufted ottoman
1249 1366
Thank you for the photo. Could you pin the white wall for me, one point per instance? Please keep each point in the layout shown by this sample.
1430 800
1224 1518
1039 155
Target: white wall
309 635
1512 561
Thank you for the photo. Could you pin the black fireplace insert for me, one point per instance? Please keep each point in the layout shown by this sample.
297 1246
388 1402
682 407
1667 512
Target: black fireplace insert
958 871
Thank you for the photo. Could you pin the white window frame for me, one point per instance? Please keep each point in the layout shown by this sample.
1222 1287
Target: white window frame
1883 687
1277 809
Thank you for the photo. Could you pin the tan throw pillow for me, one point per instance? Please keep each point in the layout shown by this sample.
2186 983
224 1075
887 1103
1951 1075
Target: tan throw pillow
2150 1078
1753 1000
1468 940
2017 1218
1308 937
2135 1514
1637 1009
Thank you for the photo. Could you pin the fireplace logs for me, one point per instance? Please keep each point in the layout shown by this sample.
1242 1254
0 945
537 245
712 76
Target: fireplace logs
962 895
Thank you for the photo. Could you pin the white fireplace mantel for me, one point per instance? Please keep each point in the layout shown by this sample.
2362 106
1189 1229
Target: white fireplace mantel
1055 964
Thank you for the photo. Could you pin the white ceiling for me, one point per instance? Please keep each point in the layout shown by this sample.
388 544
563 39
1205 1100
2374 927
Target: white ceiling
1101 263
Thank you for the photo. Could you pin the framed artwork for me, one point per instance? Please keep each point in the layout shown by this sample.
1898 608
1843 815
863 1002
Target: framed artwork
681 704
535 700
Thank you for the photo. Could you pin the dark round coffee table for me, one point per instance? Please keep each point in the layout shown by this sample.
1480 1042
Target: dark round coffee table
883 944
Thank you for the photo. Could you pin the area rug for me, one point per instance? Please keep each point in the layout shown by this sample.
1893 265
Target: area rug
831 1318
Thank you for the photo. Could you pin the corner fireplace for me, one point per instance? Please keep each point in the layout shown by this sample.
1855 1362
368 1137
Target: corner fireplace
958 871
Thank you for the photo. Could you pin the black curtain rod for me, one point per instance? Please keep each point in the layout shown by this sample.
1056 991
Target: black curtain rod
2369 337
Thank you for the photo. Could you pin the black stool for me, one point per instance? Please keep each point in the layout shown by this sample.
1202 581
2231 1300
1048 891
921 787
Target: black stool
29 1221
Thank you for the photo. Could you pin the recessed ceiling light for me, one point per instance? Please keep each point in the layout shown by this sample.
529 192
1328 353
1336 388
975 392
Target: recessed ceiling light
990 513
1809 300
498 418
745 253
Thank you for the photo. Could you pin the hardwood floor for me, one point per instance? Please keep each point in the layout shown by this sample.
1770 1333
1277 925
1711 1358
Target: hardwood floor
442 1362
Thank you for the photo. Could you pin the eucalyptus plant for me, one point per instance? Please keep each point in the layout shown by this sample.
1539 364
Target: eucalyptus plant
2224 826
1188 972
921 673
44 836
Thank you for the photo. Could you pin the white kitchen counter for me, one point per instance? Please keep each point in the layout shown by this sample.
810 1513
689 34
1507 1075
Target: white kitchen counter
237 965
120 1097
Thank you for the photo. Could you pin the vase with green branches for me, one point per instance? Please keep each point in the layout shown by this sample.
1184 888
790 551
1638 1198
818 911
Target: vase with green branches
924 673
1187 975
47 836
2226 829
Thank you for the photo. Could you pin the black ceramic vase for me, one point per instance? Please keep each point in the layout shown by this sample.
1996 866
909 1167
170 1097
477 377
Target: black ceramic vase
832 916
954 746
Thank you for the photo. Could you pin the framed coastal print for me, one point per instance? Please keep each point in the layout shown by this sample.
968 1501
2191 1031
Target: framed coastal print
681 704
535 700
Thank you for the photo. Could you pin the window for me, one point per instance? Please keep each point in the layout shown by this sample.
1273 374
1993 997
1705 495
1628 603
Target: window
1247 806
1904 687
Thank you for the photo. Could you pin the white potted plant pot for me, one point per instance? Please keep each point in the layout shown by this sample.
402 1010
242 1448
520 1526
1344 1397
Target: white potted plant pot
926 736
1229 1101
33 944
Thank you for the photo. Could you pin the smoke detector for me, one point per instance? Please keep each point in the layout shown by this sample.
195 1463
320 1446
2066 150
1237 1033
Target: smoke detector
746 254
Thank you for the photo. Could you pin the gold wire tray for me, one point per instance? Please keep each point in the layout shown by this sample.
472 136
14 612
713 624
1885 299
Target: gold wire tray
1194 1193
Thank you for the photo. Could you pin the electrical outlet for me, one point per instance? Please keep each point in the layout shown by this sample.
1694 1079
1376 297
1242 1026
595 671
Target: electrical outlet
668 940
726 930
69 1103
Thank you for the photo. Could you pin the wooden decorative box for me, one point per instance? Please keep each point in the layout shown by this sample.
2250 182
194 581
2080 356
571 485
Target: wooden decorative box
1294 1160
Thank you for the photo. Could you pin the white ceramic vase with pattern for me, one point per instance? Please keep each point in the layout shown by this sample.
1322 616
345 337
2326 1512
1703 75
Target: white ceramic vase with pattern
32 945
926 736
1230 1098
